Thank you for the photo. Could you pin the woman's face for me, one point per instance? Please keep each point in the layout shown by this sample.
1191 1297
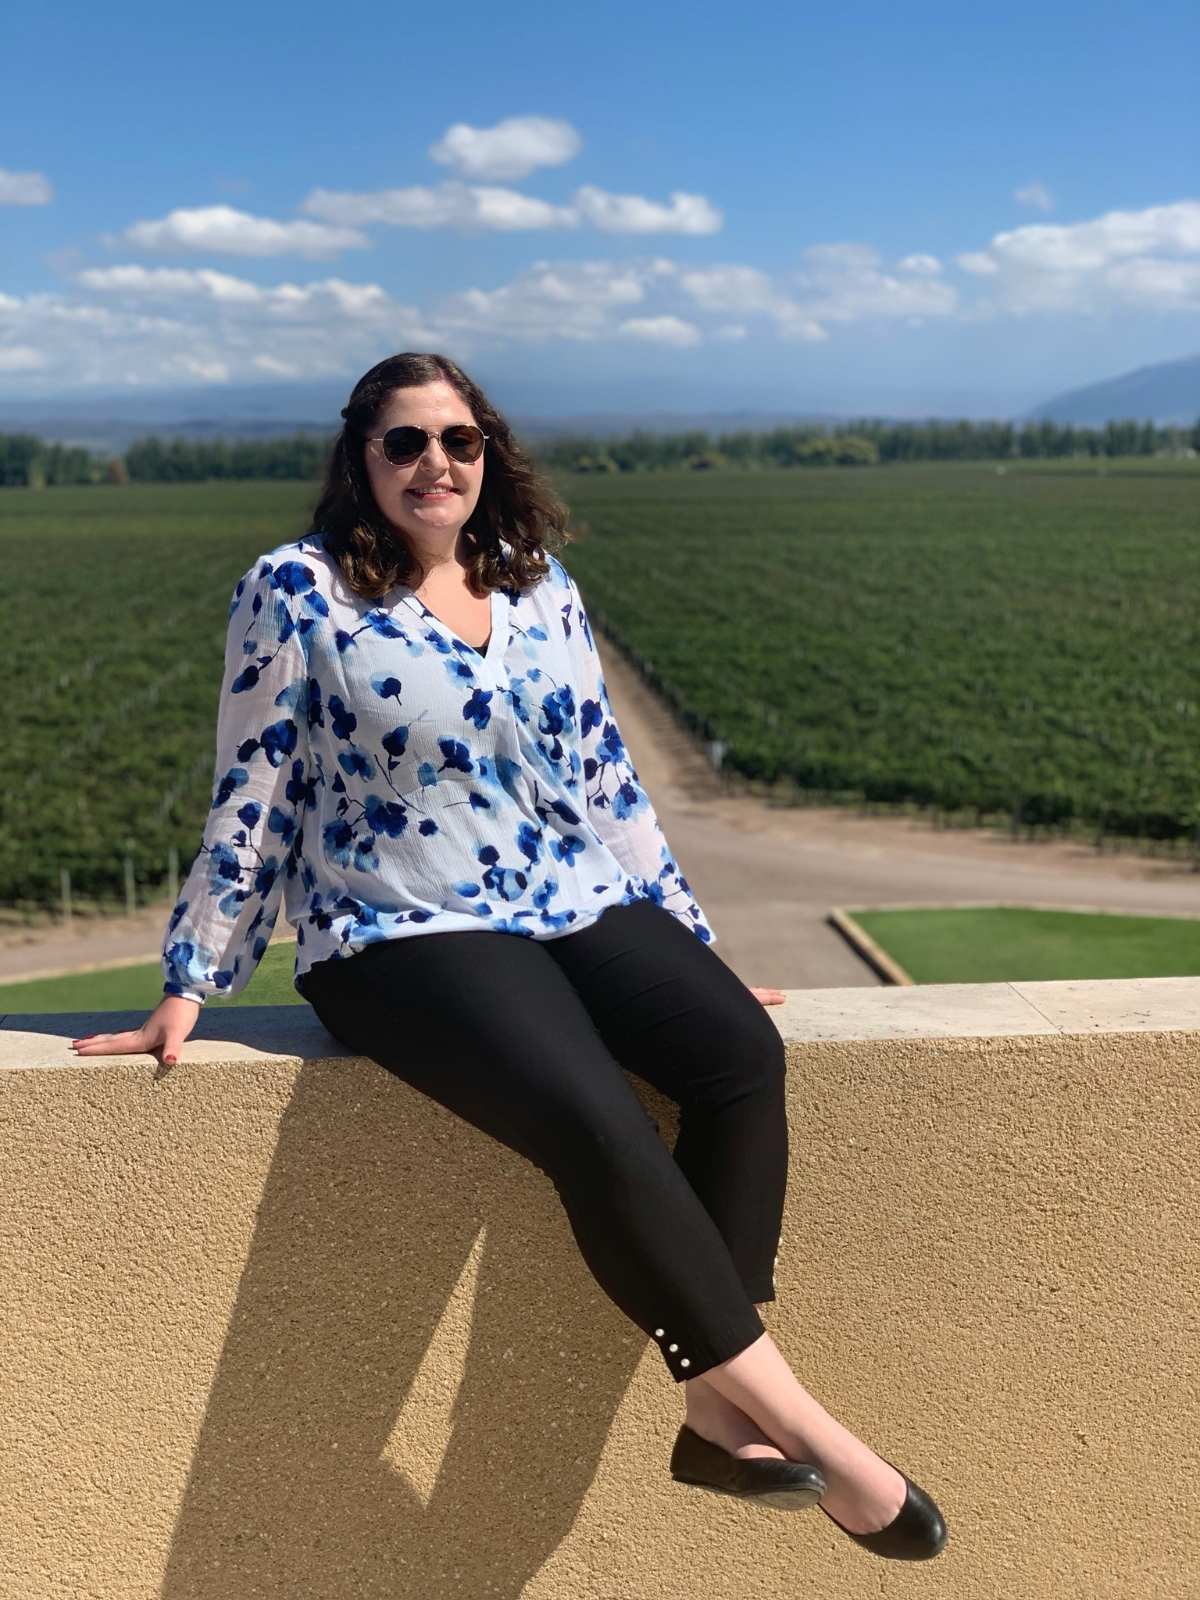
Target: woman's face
433 497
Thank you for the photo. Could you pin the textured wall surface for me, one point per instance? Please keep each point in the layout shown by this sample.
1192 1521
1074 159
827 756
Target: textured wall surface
277 1327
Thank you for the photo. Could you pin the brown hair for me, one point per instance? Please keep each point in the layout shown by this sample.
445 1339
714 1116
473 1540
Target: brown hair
518 518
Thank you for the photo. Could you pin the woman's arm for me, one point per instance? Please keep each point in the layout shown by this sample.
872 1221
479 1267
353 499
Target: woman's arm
617 806
222 923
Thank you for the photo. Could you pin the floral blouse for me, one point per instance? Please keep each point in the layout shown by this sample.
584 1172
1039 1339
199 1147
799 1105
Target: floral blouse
381 779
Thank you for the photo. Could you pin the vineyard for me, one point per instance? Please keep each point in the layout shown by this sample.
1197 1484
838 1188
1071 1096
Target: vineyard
113 612
1021 644
939 635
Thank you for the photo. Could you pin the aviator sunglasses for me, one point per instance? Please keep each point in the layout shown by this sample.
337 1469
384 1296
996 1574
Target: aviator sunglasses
402 446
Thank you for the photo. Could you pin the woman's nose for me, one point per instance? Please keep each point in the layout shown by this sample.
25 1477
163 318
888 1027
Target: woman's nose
434 456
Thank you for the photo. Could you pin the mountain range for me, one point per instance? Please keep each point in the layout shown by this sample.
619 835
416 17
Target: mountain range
1168 393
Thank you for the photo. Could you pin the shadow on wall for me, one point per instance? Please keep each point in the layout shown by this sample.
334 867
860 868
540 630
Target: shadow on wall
418 1377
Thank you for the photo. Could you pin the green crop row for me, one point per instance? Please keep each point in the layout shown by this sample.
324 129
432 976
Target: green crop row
1019 644
938 635
113 615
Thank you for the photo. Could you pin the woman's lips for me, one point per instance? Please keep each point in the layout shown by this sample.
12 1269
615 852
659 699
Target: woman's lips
436 492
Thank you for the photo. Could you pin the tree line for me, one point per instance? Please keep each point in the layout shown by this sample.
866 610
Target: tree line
26 460
865 443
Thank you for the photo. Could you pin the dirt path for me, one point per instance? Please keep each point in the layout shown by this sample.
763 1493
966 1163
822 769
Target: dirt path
766 876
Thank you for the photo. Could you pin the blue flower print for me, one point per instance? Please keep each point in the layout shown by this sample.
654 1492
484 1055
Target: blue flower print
477 709
236 778
316 713
356 763
558 711
278 741
386 816
283 823
386 686
342 722
457 756
339 841
529 843
508 882
395 743
505 795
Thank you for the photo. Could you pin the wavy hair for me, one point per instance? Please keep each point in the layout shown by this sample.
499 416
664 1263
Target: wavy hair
517 520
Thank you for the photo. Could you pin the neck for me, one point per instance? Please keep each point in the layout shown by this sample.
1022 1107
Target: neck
437 556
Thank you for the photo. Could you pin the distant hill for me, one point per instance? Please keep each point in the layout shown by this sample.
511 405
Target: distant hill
110 422
1166 394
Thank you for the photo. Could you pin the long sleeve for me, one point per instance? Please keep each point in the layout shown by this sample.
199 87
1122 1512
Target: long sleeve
253 838
618 808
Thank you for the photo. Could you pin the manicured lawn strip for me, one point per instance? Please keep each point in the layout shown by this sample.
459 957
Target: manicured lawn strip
132 988
1008 944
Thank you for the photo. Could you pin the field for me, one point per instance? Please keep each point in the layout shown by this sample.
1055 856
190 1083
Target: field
988 644
113 615
1015 944
936 635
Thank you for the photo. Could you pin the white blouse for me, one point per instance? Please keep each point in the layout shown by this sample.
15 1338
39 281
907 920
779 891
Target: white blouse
383 779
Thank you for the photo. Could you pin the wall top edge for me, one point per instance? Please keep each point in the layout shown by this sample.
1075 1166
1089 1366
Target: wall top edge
291 1035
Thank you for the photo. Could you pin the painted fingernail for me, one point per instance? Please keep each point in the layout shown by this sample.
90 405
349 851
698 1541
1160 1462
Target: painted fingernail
170 1060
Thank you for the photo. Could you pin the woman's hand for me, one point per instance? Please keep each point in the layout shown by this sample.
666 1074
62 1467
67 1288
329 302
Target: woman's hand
160 1036
768 997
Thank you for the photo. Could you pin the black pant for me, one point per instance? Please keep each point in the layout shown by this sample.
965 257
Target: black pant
522 1037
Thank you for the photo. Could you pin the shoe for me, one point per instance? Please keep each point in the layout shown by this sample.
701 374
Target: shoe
784 1485
916 1533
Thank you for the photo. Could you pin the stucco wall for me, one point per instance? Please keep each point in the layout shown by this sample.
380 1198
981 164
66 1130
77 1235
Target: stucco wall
277 1327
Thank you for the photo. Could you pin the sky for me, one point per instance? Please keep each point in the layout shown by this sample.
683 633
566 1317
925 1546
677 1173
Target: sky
861 208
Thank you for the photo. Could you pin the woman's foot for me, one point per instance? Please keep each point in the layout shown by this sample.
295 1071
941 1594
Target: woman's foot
720 1422
865 1494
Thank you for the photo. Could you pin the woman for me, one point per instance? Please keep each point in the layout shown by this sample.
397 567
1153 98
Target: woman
416 753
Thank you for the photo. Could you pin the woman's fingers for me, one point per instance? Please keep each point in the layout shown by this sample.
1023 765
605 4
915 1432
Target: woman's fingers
112 1044
768 997
161 1035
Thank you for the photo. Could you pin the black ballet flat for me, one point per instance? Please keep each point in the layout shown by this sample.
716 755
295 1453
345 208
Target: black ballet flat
916 1533
783 1485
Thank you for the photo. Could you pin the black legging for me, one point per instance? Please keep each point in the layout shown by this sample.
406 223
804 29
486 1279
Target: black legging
522 1037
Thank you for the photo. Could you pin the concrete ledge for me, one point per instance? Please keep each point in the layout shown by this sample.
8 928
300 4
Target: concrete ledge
277 1326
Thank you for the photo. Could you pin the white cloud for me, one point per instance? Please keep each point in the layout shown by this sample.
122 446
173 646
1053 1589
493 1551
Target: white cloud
449 205
1034 194
511 149
551 300
848 282
159 326
631 213
222 230
838 283
24 189
661 330
1147 258
926 266
743 291
467 206
275 368
222 289
21 358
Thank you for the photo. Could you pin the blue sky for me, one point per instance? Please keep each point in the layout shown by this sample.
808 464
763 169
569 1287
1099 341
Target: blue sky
855 208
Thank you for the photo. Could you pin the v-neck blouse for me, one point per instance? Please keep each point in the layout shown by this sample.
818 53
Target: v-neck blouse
379 778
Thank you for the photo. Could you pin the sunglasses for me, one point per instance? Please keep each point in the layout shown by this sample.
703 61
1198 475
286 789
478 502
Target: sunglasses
402 446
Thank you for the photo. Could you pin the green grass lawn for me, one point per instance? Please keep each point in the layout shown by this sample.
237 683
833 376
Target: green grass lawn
131 988
1005 944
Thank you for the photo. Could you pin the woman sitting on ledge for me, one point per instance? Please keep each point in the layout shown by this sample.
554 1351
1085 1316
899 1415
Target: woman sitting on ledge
416 756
